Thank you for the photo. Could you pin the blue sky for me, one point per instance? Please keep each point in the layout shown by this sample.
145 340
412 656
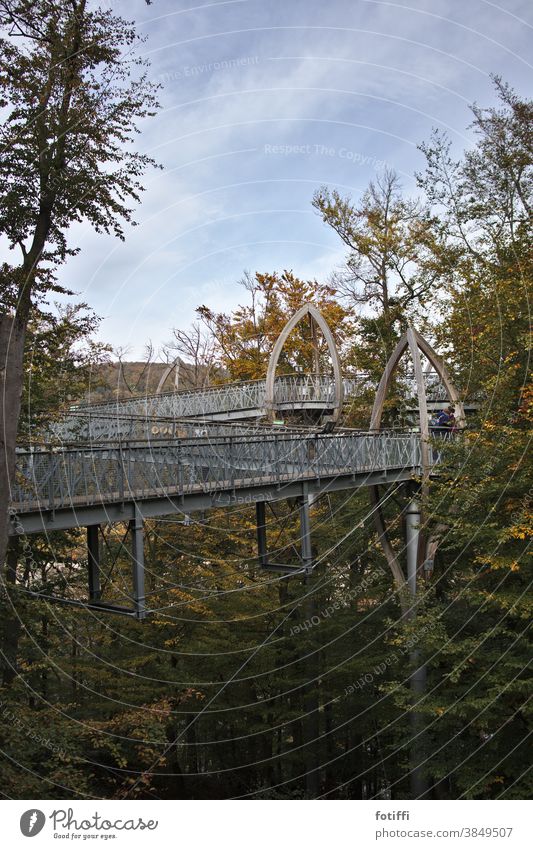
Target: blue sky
263 101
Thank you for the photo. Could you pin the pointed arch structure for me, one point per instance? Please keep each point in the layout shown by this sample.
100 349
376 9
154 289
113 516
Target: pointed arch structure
173 366
416 344
317 320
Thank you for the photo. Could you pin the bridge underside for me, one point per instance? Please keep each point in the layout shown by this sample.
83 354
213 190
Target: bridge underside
133 512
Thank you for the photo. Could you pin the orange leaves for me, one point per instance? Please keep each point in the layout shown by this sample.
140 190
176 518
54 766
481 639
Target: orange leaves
245 337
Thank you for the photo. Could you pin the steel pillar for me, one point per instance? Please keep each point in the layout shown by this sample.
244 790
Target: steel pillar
417 678
311 701
93 562
305 534
311 722
261 533
412 531
137 551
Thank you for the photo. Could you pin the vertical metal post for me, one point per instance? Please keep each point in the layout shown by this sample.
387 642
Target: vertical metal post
137 551
261 533
93 562
305 533
311 696
51 492
412 530
417 679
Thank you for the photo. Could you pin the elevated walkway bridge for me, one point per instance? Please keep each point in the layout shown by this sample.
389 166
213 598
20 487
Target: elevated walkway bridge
68 487
180 452
91 486
164 415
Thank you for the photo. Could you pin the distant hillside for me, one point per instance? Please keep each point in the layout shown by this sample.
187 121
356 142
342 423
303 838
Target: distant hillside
122 380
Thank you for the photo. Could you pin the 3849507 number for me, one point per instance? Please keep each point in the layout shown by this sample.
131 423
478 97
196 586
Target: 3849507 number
486 832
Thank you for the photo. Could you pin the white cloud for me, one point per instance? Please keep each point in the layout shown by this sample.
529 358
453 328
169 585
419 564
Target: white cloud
347 85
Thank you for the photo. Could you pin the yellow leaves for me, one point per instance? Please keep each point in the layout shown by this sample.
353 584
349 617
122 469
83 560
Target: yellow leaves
144 754
526 404
522 529
175 597
495 563
190 694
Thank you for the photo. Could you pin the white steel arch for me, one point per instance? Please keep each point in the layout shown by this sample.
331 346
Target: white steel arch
320 321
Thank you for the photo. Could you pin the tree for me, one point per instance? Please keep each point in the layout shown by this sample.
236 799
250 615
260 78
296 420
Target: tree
482 208
61 360
482 495
74 90
484 200
389 270
245 338
197 345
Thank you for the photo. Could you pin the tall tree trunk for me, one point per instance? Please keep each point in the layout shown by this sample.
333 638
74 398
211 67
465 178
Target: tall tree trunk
12 335
11 629
12 338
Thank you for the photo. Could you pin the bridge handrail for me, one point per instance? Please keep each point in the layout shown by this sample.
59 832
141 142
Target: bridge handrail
90 427
247 388
232 384
63 478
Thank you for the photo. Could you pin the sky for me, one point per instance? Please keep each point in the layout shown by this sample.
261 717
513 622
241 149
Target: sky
262 102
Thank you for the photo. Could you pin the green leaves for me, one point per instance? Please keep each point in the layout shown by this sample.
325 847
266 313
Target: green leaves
74 95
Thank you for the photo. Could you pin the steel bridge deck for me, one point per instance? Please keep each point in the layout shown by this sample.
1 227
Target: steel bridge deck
69 488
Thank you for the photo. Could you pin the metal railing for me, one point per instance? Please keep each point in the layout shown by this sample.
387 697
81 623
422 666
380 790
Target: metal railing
291 391
160 415
67 478
92 426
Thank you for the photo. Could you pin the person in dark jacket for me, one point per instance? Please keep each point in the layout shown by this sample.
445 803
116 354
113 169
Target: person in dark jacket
443 423
440 427
439 422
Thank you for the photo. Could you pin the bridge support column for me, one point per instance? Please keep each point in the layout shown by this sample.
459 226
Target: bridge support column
137 551
412 532
311 692
261 533
305 534
417 679
93 562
